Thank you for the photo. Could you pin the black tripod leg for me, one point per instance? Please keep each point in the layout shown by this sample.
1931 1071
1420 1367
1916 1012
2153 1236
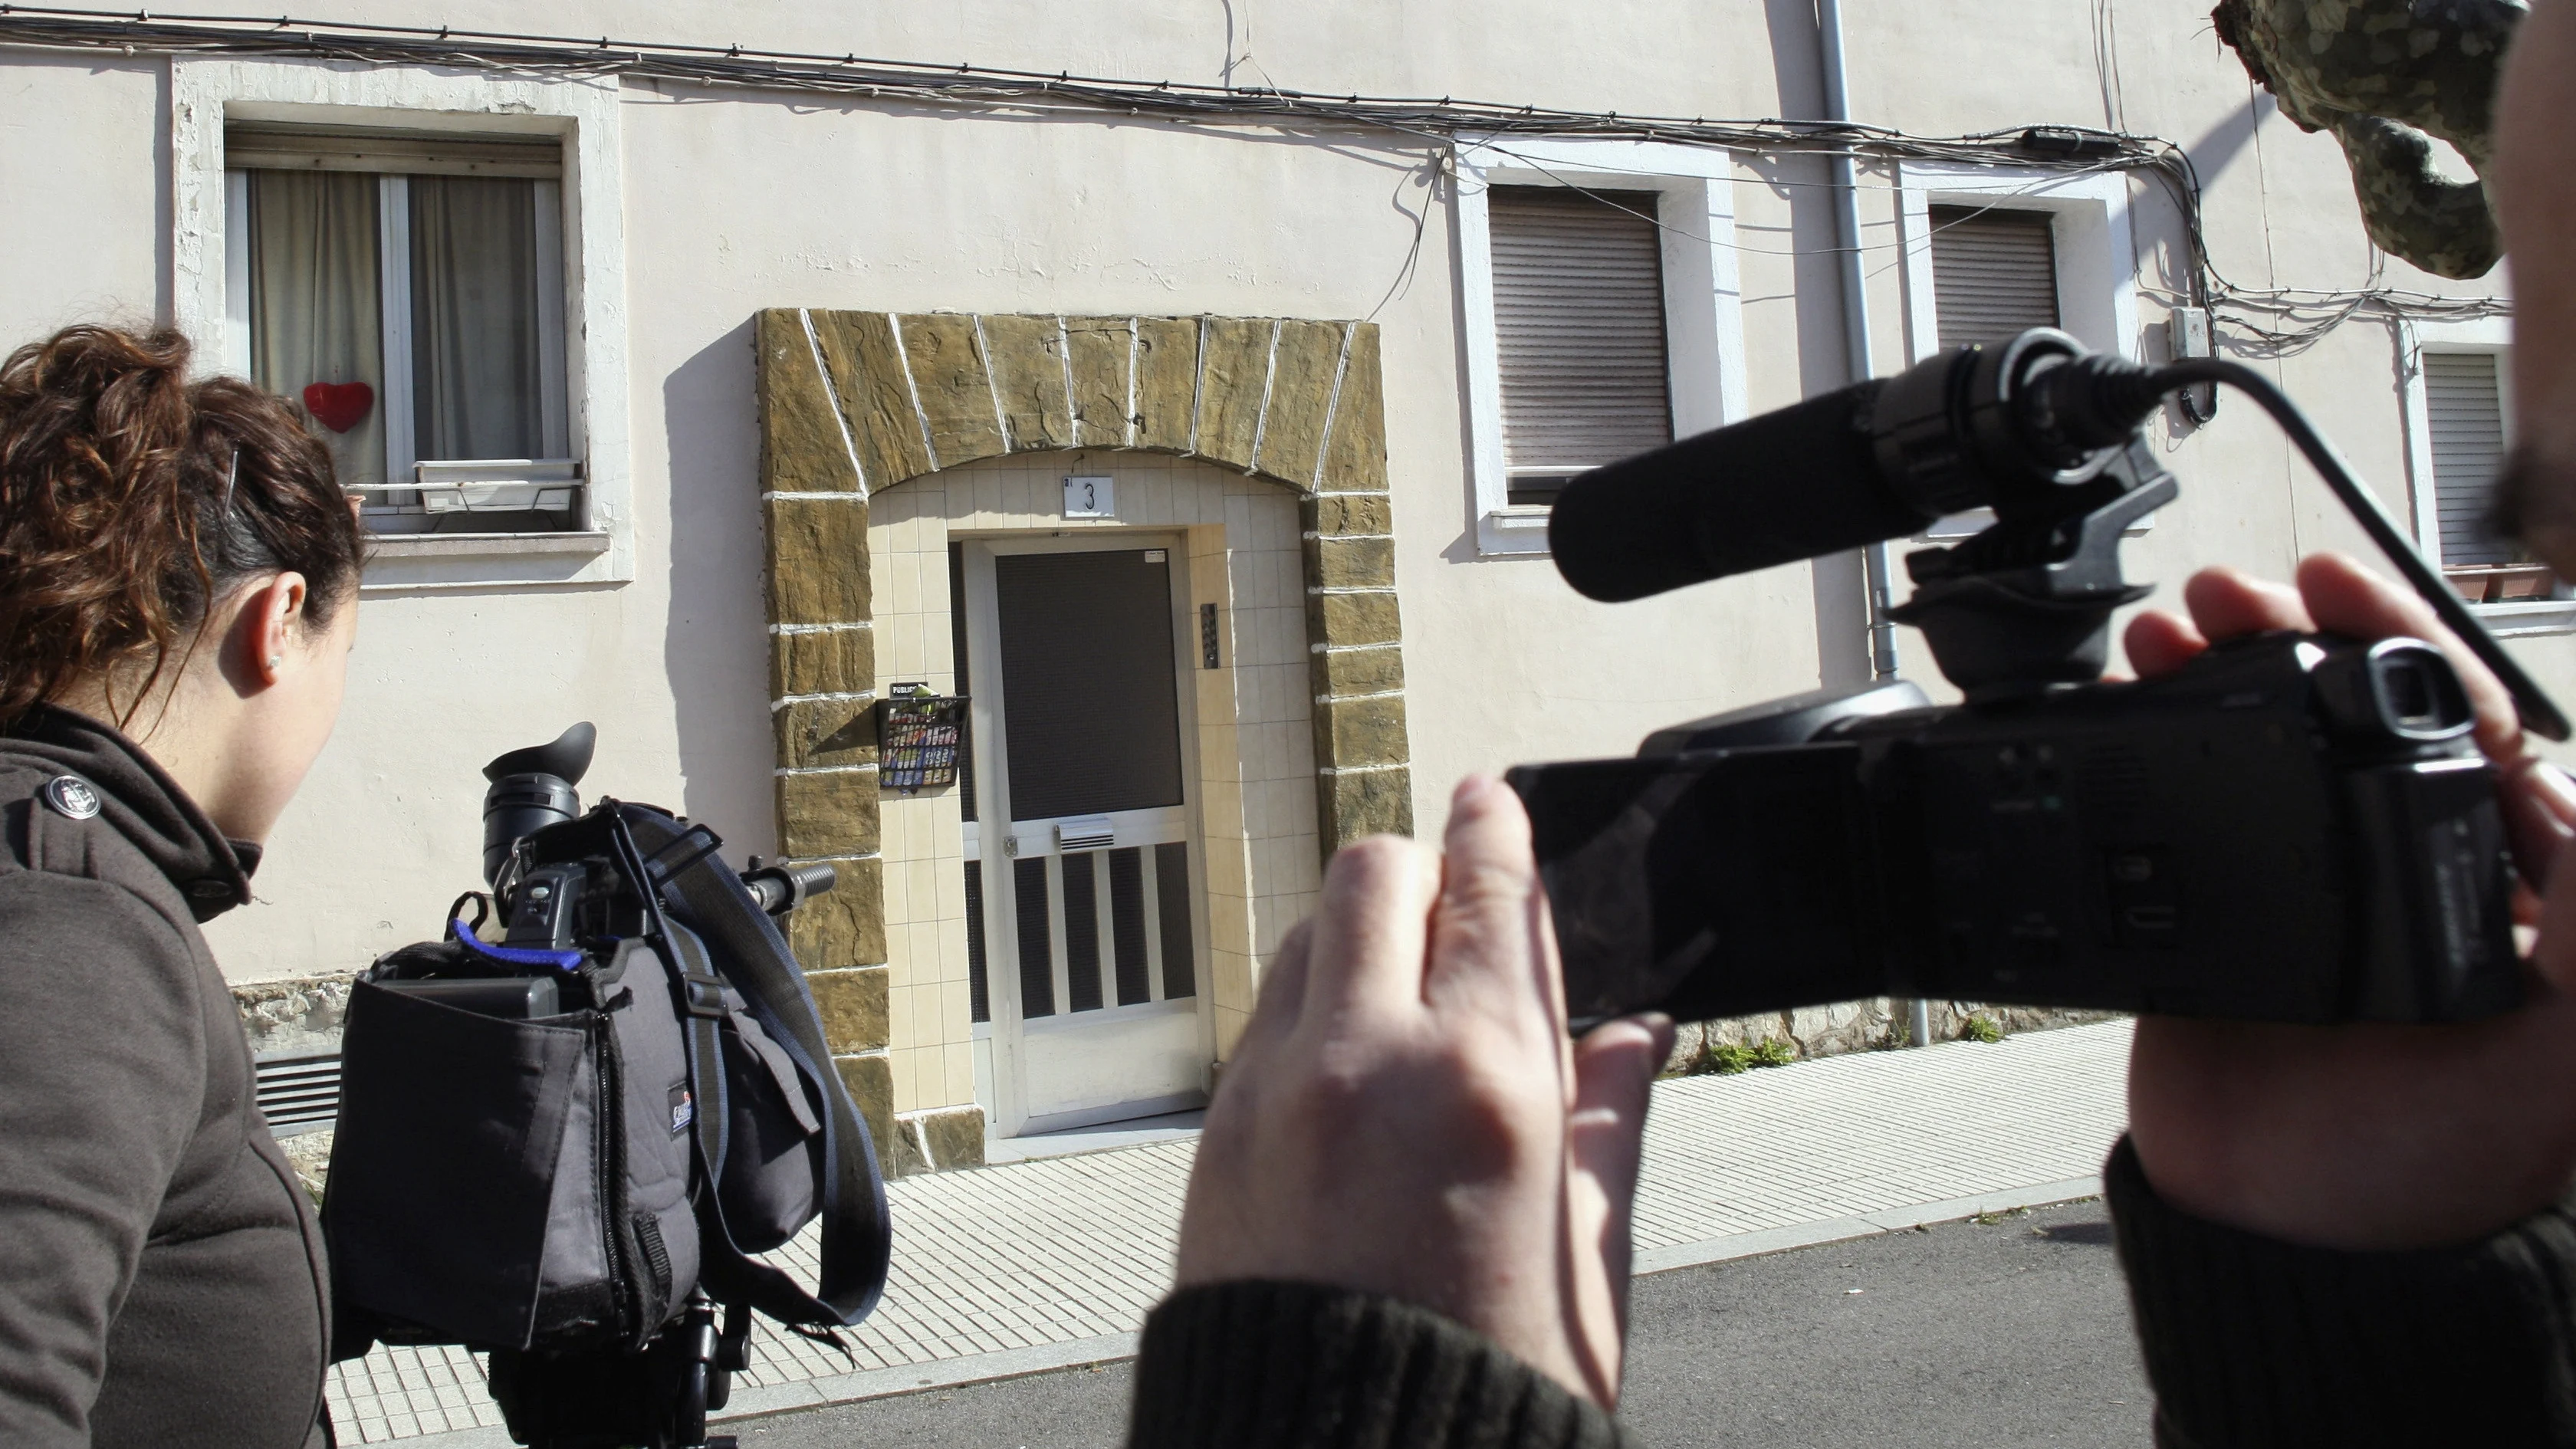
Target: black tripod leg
700 1377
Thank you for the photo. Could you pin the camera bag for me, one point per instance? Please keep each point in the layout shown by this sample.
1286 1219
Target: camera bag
561 1185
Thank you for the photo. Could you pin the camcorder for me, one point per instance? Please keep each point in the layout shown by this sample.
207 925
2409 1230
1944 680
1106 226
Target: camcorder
570 1128
2292 828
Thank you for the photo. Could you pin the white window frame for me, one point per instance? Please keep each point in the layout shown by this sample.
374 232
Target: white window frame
1703 300
2096 255
585 115
2494 337
2097 262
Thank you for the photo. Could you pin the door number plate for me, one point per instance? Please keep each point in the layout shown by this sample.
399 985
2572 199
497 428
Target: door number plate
1091 498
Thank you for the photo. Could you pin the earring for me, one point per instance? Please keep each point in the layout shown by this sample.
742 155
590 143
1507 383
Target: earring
275 660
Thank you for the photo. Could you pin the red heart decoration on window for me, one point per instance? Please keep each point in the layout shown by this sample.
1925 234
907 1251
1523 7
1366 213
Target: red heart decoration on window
339 406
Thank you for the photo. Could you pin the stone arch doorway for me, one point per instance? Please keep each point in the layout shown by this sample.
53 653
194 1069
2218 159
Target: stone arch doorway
985 411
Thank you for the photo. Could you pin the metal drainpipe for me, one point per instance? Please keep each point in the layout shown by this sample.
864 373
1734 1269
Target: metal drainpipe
1861 361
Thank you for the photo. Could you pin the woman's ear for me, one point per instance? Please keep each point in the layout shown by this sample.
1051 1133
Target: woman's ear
270 624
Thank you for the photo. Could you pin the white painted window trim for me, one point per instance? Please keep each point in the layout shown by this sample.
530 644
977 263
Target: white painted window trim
585 113
1703 313
2492 335
2097 262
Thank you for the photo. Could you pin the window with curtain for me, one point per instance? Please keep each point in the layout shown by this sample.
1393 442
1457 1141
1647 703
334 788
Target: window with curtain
1579 325
406 293
1994 273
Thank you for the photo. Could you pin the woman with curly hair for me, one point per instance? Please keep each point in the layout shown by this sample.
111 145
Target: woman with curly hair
178 593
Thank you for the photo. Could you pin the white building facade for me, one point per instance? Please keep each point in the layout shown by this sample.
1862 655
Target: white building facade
709 380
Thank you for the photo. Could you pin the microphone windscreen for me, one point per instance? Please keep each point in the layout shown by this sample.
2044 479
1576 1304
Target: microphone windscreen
1794 484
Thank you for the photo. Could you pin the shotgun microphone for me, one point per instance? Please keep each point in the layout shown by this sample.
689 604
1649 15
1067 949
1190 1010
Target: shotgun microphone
1788 485
1972 427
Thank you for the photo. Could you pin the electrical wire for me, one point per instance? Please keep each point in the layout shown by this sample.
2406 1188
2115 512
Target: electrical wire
2260 322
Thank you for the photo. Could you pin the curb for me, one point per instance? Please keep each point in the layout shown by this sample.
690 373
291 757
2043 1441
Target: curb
921 1378
984 1368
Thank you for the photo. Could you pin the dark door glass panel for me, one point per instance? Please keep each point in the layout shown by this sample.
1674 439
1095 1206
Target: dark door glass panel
1172 896
1127 924
1081 935
1037 957
1093 718
978 995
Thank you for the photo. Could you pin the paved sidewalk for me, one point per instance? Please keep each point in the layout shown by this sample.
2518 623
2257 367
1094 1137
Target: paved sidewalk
1054 1262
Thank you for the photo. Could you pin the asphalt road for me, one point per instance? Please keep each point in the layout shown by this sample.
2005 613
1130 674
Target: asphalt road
1989 1335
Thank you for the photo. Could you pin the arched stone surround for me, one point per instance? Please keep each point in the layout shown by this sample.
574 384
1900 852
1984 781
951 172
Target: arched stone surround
853 403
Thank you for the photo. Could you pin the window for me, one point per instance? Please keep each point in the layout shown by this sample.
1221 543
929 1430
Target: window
407 291
1994 273
1989 252
2459 426
2464 415
2464 428
1600 310
412 121
1579 326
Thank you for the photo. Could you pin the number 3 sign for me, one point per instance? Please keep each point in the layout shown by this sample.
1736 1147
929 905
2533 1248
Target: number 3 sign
1091 498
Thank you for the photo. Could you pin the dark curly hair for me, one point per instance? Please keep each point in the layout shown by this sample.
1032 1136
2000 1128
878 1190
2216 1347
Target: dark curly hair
132 500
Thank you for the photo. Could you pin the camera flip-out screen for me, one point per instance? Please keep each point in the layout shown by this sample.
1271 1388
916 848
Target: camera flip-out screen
1663 896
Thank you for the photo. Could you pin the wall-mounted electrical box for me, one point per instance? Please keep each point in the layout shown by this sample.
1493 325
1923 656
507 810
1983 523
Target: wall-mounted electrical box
2188 334
918 737
2188 330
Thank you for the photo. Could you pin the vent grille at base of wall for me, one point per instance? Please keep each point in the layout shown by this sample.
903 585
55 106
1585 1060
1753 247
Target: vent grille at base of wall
299 1093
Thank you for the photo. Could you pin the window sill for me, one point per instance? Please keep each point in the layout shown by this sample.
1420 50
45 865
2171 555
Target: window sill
1513 529
2520 618
401 561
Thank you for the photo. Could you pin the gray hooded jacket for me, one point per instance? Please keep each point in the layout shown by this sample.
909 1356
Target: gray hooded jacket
161 1274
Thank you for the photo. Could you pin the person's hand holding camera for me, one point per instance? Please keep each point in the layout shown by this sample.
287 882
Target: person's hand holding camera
1406 1116
2370 1137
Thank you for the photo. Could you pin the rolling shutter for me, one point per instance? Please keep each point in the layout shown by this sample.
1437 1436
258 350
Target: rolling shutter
1579 323
251 147
1994 273
2464 411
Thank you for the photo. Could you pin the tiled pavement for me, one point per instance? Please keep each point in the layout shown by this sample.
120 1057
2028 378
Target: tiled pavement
1051 1262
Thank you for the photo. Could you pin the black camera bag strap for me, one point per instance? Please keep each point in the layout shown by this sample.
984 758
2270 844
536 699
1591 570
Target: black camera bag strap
730 939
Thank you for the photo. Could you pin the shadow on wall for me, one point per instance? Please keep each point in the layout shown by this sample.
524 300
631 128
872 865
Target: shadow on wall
715 643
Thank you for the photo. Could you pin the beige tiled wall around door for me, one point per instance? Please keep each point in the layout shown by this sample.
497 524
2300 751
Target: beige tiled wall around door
1254 800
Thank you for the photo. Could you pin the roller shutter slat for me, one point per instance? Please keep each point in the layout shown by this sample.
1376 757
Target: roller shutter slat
1994 273
2464 414
1579 323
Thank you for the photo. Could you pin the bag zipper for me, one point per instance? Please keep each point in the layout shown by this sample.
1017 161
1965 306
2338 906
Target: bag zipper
611 1203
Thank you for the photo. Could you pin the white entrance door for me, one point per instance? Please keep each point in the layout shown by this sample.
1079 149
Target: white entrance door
1085 871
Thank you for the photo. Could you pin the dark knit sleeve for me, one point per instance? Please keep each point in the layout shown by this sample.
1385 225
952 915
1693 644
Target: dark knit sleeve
1291 1365
2250 1341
